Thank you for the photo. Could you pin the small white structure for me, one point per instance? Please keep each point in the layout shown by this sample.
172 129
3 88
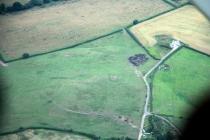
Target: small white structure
3 64
175 44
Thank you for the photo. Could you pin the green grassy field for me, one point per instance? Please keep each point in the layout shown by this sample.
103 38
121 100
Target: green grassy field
178 90
94 78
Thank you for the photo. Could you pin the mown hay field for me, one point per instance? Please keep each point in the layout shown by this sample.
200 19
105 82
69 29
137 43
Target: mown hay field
68 23
91 89
186 24
178 91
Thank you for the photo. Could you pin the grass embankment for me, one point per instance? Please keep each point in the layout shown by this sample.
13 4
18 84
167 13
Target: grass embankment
177 91
94 78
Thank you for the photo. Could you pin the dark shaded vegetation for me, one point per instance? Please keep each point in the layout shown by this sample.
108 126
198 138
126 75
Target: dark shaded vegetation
25 55
157 129
17 6
121 138
135 22
164 40
2 8
3 98
162 47
177 3
46 1
139 43
138 59
1 58
70 131
65 48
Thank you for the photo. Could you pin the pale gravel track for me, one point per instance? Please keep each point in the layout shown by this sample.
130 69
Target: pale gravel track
146 108
3 64
113 117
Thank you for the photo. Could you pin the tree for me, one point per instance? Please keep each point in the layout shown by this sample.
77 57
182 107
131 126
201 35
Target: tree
37 2
46 1
17 6
25 55
2 8
135 22
28 5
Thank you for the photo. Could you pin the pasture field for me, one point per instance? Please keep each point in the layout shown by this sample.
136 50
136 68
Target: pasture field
42 135
10 2
64 24
91 88
186 24
177 92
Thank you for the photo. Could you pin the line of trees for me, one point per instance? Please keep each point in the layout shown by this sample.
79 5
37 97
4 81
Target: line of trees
18 6
91 136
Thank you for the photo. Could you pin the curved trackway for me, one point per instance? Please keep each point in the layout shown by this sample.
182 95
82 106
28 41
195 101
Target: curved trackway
162 118
113 117
146 108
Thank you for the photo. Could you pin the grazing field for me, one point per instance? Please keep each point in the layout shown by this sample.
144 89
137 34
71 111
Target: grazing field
91 88
186 24
71 22
10 2
176 92
42 135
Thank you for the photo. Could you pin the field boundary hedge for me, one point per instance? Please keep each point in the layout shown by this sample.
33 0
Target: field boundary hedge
149 18
159 14
93 39
60 49
99 37
200 52
171 116
70 131
170 3
139 43
174 4
152 76
17 6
